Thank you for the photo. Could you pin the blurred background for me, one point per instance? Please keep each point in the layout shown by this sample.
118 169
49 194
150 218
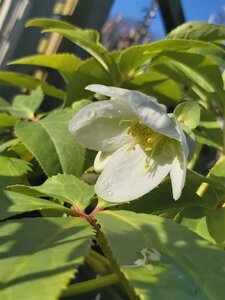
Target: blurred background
121 22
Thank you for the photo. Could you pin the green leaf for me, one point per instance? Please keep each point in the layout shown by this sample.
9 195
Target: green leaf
160 259
13 203
3 102
29 82
51 143
8 144
199 31
81 103
25 106
64 63
11 166
78 37
209 130
188 114
66 188
91 35
193 69
87 39
155 84
7 121
217 173
40 256
208 223
134 57
87 73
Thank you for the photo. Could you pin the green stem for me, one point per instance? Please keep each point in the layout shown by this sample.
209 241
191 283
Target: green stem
91 285
202 189
96 265
194 160
67 211
100 257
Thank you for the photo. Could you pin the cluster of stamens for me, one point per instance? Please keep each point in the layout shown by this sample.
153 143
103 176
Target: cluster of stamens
144 136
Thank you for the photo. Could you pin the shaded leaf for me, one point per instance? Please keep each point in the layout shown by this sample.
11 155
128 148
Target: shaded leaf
87 39
199 31
29 82
208 223
87 73
39 263
155 84
7 121
217 173
12 166
51 143
13 203
66 188
193 69
8 144
24 106
209 130
78 36
160 259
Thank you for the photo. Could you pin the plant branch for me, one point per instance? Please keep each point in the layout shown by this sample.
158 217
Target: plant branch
96 265
91 285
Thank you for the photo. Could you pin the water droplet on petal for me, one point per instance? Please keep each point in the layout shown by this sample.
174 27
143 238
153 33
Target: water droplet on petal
105 183
109 193
91 114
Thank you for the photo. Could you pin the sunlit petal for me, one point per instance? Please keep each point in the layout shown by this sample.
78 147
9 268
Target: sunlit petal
97 126
101 160
126 176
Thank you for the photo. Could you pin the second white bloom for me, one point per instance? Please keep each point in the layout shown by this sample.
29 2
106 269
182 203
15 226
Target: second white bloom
139 144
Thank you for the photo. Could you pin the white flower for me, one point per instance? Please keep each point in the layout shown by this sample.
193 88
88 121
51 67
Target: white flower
139 143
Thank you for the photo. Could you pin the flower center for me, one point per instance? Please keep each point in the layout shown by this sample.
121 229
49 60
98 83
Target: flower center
145 136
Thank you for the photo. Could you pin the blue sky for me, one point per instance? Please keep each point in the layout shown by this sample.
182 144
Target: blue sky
195 10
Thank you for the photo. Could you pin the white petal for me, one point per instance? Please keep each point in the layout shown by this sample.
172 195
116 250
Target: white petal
101 160
178 175
97 126
152 114
145 107
110 91
126 178
179 166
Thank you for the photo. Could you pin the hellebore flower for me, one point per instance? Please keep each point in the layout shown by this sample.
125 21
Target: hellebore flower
139 144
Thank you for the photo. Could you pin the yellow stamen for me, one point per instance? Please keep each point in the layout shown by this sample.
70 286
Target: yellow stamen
145 136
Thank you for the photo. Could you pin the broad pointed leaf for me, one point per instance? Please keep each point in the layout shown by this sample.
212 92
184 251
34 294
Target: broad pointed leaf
160 259
96 50
51 143
29 82
6 120
64 63
40 256
12 166
66 188
198 31
25 106
133 57
208 223
13 203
